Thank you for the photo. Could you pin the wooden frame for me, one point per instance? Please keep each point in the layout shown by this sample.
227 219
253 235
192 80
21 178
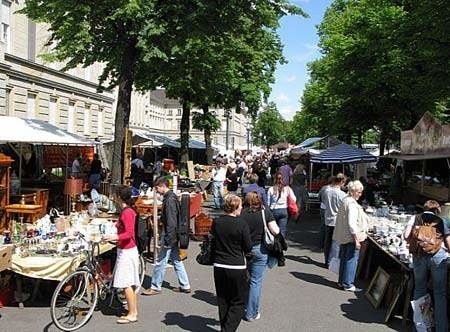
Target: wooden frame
377 287
398 290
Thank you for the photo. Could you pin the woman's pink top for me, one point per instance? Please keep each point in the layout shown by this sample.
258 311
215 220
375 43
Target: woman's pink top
125 229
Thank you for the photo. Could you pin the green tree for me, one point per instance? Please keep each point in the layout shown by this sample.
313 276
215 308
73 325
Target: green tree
208 122
221 54
108 32
269 127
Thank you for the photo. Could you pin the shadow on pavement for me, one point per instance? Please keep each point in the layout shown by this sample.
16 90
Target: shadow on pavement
357 309
305 260
205 296
191 322
314 279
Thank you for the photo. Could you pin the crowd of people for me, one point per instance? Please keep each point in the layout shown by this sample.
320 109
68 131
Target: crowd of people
250 210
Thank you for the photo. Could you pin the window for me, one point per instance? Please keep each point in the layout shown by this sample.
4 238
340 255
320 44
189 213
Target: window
87 119
169 112
31 106
31 40
216 140
179 112
6 25
71 117
52 111
100 122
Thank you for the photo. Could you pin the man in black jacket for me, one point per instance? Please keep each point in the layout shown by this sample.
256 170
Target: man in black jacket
169 242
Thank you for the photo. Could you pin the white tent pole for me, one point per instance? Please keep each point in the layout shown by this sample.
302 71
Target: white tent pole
67 161
20 166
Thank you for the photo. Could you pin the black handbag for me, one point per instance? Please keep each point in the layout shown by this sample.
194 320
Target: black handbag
206 255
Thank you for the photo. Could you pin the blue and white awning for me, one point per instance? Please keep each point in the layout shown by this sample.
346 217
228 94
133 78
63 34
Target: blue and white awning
343 154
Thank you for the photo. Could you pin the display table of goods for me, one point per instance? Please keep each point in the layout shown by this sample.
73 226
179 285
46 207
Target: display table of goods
51 250
386 227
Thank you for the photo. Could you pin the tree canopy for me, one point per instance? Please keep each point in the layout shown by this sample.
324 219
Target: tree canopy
381 67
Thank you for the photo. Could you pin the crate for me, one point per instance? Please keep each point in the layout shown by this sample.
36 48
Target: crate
5 257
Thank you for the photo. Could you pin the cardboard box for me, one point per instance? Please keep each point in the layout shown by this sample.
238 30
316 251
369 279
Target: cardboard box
5 257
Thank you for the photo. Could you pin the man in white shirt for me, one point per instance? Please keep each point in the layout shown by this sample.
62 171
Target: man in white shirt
332 198
76 169
219 173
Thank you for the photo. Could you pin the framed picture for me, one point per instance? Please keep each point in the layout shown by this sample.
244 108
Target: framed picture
397 286
377 287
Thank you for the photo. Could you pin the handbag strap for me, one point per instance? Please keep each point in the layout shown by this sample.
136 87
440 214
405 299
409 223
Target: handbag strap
264 220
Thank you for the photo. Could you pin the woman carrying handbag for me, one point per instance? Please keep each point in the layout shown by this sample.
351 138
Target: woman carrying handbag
259 221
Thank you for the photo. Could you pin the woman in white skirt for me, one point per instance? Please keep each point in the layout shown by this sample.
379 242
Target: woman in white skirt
126 271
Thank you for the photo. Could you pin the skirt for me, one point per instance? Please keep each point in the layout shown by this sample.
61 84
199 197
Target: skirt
126 271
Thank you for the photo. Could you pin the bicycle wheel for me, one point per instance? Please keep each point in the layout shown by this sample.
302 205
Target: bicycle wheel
74 300
141 270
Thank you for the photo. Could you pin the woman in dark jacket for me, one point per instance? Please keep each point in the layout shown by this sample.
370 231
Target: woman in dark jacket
231 242
253 216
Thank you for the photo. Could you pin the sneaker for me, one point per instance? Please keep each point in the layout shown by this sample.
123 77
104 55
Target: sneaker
353 289
258 316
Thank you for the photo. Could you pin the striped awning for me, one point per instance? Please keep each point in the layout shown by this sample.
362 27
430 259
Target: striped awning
343 154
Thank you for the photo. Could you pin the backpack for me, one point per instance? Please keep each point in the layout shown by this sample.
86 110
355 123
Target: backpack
424 237
140 232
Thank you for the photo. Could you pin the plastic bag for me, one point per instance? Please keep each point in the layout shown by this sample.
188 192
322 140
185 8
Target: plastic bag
423 313
334 265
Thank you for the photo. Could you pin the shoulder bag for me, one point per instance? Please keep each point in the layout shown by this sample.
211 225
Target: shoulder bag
206 255
291 204
268 239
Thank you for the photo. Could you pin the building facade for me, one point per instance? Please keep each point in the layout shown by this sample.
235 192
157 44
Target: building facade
32 88
155 112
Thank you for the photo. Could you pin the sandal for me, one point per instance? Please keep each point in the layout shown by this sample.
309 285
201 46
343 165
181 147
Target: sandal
125 320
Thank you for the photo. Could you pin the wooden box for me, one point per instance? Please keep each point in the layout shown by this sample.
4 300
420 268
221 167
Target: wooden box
5 257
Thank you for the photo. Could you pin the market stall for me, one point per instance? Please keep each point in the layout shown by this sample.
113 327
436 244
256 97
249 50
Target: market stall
424 161
385 261
340 155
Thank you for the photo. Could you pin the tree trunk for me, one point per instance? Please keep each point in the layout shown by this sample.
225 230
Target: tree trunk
382 141
208 145
122 118
360 139
184 130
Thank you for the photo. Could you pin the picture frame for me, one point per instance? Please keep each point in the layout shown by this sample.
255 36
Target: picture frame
377 287
398 285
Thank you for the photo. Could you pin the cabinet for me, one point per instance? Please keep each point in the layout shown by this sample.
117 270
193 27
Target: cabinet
5 184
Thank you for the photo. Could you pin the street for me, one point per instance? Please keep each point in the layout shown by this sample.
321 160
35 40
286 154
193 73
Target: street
301 296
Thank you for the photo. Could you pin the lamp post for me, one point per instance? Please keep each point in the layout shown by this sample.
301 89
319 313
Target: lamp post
227 115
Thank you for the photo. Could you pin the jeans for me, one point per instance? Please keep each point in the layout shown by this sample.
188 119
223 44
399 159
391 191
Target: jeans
437 265
257 267
322 229
95 181
160 268
281 217
330 247
218 194
348 254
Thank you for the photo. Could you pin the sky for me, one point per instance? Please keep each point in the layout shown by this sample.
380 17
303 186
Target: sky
299 37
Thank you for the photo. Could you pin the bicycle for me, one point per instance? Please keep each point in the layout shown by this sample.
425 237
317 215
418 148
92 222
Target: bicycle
75 298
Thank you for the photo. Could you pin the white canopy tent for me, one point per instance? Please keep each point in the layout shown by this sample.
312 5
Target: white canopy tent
33 131
18 130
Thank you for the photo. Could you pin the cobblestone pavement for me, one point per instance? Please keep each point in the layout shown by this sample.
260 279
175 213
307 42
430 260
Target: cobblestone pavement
298 297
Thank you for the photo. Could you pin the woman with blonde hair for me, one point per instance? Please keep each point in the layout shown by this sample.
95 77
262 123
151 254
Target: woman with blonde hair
257 218
231 242
350 231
